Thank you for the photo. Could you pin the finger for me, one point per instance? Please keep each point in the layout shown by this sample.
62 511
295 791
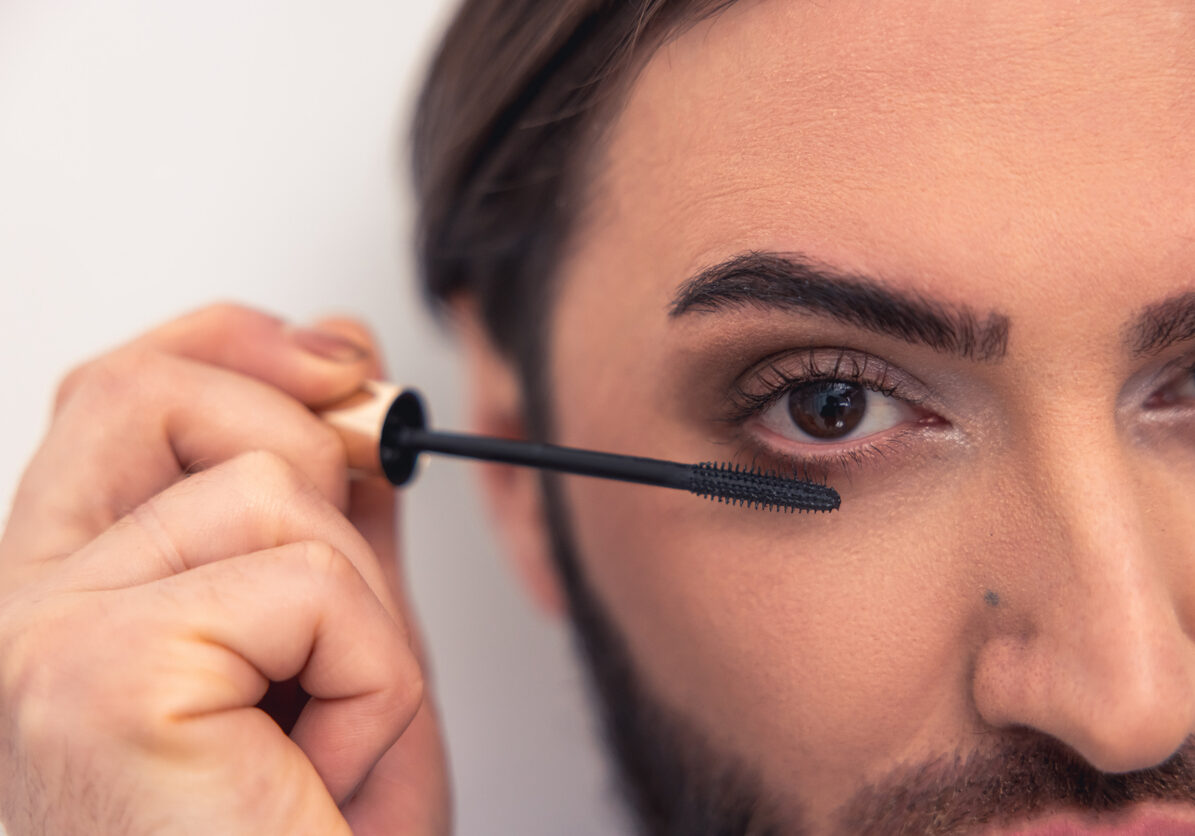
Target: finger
137 423
374 504
313 366
253 502
407 791
356 333
299 610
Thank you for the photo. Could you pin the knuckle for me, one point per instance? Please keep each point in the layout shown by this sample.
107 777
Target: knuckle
83 667
328 565
70 383
398 696
326 452
225 309
42 655
148 518
227 317
410 685
271 473
114 380
19 668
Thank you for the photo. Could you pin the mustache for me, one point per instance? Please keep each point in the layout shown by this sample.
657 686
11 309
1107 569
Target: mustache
1027 774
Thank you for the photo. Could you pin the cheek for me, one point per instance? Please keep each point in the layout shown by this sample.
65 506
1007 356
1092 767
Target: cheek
813 647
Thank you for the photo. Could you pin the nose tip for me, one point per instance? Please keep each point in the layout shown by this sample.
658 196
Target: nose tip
1138 727
1122 706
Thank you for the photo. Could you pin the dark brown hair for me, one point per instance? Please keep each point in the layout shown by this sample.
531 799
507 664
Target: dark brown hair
514 101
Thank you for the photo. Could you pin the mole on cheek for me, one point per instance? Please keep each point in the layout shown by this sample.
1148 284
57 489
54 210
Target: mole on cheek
991 598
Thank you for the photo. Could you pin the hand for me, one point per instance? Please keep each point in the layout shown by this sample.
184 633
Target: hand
184 537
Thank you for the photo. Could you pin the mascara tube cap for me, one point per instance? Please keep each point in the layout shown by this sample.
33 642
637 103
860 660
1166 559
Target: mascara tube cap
377 411
398 459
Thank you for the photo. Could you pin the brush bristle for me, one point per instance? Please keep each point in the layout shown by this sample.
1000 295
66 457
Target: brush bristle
730 483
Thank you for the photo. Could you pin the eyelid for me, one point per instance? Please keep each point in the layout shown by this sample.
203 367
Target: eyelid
752 392
1146 385
1176 373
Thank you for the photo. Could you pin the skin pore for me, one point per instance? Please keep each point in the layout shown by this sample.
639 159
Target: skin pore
1011 568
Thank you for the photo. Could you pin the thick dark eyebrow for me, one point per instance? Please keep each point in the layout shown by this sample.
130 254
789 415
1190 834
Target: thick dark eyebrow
1163 324
792 282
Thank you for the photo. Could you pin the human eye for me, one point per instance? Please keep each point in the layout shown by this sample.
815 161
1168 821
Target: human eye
829 408
1179 391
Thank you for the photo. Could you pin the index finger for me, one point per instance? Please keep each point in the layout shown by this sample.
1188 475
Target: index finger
314 367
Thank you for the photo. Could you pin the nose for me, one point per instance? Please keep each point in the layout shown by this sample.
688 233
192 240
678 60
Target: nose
1090 643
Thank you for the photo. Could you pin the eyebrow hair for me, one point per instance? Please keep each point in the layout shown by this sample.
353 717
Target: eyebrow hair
792 282
1163 324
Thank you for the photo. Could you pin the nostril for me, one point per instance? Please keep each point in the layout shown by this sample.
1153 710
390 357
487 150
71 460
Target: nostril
1120 708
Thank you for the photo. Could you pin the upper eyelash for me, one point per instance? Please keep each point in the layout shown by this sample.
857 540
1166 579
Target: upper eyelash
1174 372
1188 366
783 372
856 367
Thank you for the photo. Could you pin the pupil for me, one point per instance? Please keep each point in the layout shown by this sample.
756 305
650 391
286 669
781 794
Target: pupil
827 408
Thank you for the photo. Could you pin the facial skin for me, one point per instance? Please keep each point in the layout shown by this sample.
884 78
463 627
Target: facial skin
1017 560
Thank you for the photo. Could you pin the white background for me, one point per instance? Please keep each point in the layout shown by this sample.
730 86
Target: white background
158 156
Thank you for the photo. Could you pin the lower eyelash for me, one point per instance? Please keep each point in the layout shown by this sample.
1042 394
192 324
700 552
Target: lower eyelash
775 377
818 467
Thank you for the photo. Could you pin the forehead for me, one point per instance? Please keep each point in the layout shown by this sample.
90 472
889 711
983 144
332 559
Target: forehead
960 146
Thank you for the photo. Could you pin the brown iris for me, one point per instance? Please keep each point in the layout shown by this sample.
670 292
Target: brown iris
827 408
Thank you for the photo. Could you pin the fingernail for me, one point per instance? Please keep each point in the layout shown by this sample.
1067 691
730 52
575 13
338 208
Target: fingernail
328 346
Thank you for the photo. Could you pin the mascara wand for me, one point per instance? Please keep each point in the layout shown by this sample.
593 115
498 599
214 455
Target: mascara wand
385 429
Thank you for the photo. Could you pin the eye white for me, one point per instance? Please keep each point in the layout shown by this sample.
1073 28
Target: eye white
1177 393
880 413
1185 390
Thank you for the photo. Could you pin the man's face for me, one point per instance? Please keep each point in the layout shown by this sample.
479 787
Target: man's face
1015 551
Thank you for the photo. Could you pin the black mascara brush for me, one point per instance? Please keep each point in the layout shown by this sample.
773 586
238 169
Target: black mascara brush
385 429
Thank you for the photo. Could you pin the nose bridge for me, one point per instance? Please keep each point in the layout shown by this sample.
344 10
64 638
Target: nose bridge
1091 490
1096 654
